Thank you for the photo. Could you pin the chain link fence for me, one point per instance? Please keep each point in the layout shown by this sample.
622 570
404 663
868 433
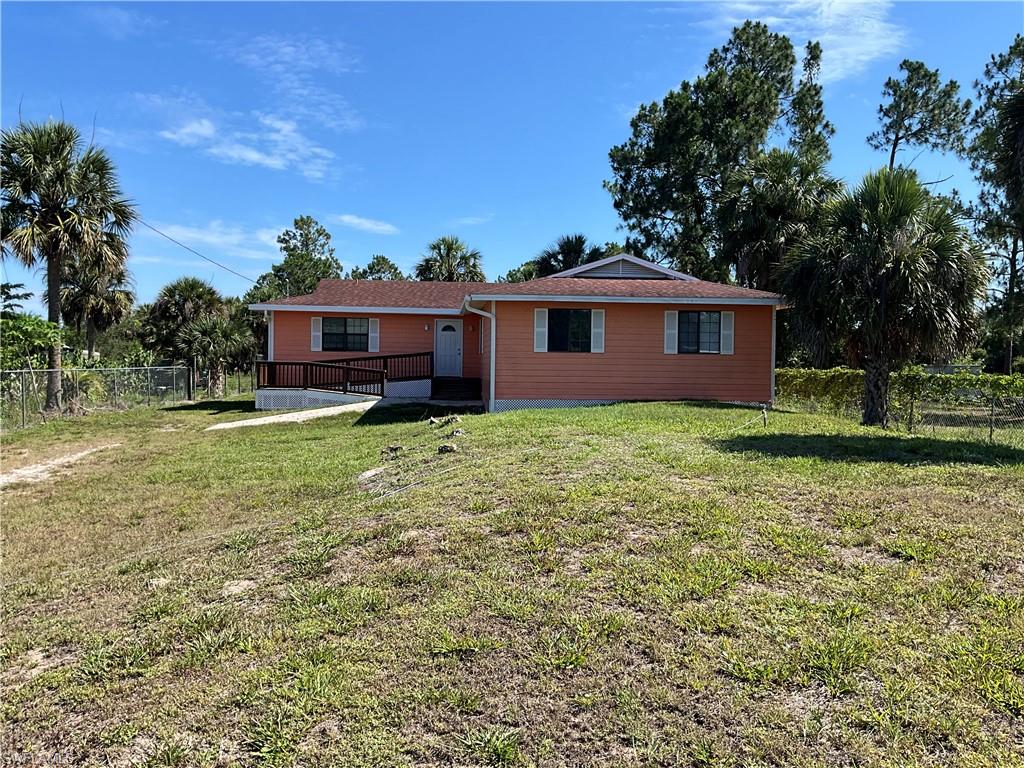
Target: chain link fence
87 390
962 412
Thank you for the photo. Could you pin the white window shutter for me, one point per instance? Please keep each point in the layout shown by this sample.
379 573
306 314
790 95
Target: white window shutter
728 323
374 341
597 330
671 332
540 330
316 334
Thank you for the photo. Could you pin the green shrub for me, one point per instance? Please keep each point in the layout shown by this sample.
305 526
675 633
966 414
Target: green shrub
840 390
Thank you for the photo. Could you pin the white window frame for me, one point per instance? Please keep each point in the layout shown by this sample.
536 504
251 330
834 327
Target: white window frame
726 333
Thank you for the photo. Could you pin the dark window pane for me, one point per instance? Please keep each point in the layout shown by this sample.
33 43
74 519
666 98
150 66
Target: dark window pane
346 334
333 325
700 332
689 332
568 330
710 331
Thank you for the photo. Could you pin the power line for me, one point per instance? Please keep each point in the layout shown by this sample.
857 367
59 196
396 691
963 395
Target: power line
197 253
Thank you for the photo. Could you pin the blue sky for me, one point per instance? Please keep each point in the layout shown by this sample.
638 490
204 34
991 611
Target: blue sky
396 123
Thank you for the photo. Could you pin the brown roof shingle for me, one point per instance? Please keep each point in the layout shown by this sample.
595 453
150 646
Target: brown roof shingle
626 288
436 295
386 293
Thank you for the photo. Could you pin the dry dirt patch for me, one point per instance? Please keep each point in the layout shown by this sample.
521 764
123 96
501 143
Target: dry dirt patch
35 473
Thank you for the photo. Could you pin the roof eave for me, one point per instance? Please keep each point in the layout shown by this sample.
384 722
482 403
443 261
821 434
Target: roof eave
747 300
351 309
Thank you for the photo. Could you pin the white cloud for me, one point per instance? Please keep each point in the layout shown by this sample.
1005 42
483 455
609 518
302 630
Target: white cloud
235 152
191 133
268 235
120 23
472 221
218 239
372 226
278 144
852 34
295 68
263 140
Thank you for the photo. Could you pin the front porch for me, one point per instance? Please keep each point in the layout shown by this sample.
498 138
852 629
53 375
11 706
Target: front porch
301 384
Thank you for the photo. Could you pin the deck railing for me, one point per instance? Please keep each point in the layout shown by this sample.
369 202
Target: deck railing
336 377
408 367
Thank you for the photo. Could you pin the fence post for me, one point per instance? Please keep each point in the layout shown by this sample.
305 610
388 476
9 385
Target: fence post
115 387
24 403
992 420
344 380
149 386
174 384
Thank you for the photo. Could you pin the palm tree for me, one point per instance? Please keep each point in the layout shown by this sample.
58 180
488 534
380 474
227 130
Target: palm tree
59 198
179 304
212 340
11 296
770 205
448 259
568 252
95 299
893 276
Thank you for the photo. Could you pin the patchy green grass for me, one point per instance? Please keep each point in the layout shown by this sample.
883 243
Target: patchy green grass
642 584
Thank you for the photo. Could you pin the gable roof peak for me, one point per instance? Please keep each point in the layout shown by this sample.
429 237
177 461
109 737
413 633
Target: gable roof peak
624 266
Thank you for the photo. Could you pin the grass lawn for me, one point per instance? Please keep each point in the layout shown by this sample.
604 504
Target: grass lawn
644 584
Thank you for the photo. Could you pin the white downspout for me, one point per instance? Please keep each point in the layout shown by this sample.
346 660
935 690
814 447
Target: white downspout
774 308
270 335
490 316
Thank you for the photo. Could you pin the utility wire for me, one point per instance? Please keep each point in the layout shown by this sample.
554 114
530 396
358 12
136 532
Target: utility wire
197 253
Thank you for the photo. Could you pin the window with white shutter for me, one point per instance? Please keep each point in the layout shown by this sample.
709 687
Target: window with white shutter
671 332
540 330
728 323
374 340
597 330
316 334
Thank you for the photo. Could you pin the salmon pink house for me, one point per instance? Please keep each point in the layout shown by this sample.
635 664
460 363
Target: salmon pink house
617 329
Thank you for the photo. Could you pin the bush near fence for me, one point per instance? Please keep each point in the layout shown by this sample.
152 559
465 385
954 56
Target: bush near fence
23 392
917 399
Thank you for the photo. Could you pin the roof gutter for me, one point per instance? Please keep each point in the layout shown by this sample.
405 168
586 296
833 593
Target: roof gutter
363 310
493 327
764 301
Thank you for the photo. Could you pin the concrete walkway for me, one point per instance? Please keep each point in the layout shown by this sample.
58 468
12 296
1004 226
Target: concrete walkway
295 416
292 417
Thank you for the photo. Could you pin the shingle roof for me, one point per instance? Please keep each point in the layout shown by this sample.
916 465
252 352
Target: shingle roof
450 296
385 293
625 288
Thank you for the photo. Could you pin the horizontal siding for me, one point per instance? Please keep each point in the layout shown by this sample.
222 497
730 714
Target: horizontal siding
633 365
623 269
399 335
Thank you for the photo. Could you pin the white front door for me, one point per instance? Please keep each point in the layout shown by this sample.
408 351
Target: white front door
448 348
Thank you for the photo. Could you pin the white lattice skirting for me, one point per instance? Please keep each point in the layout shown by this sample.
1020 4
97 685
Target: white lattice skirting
417 388
279 399
515 405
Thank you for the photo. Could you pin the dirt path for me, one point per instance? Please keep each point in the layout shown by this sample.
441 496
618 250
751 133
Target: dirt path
35 473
